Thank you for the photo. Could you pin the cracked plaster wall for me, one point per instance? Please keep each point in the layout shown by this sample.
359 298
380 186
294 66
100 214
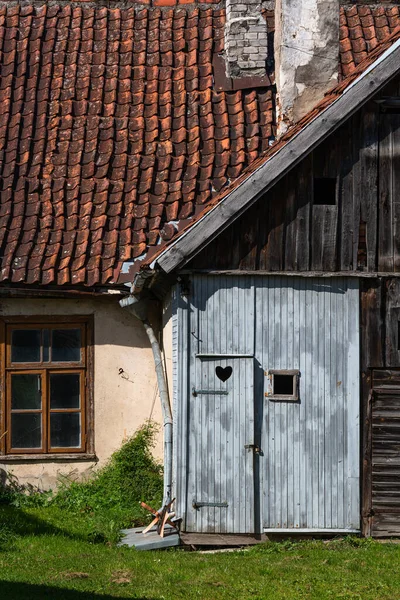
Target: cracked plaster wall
306 55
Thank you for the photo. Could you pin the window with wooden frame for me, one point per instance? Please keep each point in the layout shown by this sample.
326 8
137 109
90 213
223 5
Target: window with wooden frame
283 385
47 386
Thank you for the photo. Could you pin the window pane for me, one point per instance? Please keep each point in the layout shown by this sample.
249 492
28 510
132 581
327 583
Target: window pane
46 345
26 430
25 345
65 430
26 392
64 390
66 345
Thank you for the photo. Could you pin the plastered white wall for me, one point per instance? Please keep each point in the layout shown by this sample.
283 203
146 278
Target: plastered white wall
306 55
167 343
122 402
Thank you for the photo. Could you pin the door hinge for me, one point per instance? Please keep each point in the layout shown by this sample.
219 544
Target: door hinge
209 392
196 505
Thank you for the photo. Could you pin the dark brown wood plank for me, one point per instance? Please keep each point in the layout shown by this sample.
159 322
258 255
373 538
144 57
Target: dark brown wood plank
395 166
392 342
324 223
372 325
324 238
368 134
371 354
290 246
385 218
245 241
303 217
271 255
348 169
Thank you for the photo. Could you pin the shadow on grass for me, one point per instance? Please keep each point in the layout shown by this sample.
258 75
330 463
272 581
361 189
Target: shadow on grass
10 590
17 522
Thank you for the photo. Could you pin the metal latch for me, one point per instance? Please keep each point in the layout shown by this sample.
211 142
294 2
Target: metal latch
209 392
256 449
197 505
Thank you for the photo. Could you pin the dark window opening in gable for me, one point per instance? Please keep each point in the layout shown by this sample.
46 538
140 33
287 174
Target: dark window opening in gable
324 191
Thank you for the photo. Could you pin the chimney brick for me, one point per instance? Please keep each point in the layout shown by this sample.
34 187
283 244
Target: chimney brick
246 38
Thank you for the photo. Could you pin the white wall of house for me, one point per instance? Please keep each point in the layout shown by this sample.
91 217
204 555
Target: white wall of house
167 341
122 402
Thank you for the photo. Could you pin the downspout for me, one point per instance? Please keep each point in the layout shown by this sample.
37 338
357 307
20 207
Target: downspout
139 310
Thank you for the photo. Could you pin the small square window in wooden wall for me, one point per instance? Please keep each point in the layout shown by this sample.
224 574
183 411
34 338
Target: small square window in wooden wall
47 378
283 385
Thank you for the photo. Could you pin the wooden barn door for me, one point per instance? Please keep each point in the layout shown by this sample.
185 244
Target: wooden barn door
221 454
220 401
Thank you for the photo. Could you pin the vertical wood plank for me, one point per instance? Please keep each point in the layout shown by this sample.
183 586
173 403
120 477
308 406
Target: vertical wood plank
368 153
392 323
371 344
395 166
324 234
271 256
385 216
348 194
303 196
290 228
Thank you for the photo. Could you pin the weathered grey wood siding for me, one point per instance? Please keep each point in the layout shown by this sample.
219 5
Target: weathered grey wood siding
287 231
311 448
307 474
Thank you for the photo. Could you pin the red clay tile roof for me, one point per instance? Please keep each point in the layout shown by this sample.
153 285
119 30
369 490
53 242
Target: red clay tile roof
110 130
362 29
328 99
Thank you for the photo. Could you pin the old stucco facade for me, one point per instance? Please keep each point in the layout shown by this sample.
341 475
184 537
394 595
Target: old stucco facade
306 55
123 400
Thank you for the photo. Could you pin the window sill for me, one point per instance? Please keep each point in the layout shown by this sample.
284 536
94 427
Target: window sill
59 457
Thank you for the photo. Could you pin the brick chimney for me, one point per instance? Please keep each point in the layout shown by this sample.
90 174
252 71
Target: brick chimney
306 55
246 38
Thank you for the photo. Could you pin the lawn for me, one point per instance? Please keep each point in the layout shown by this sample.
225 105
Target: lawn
51 553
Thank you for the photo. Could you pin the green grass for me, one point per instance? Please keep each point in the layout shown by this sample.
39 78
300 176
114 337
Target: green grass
109 500
62 546
49 553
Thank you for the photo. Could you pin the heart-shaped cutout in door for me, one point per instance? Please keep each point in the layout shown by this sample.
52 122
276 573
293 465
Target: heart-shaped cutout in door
223 373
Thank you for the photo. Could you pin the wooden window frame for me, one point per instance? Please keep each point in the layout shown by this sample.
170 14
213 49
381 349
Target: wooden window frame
86 369
295 373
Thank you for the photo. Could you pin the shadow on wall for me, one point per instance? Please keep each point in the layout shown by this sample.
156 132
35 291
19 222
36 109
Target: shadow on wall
117 326
18 591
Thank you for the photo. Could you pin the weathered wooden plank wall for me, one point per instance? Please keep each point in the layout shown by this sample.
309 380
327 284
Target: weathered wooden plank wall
380 388
286 231
310 462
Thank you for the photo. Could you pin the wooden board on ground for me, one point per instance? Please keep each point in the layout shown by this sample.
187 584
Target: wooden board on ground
215 539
